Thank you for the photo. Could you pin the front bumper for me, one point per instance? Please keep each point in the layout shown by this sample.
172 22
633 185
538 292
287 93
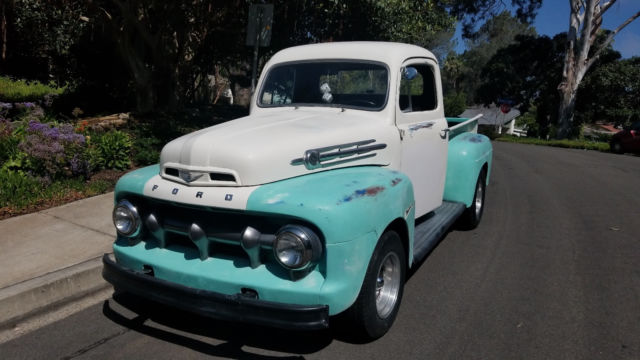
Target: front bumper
211 304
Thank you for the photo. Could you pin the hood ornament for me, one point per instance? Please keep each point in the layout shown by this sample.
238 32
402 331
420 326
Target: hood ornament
190 176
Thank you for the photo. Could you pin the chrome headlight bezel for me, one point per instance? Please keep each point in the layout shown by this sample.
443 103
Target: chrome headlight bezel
125 209
304 247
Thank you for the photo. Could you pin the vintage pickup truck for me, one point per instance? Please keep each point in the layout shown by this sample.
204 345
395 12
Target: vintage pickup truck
345 174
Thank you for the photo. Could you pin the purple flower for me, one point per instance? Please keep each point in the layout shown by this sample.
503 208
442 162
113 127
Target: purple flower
29 105
55 151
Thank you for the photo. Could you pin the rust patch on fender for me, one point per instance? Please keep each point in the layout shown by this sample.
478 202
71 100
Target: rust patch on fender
475 139
396 181
370 191
374 190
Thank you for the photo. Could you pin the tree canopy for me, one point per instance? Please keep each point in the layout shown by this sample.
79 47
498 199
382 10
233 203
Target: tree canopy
611 92
167 52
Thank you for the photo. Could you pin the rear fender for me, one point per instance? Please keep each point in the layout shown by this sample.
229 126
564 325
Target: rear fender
468 154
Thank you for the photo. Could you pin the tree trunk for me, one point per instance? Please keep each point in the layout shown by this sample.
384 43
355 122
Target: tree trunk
585 21
3 30
565 112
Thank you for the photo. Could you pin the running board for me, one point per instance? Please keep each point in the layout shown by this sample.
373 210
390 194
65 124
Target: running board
431 227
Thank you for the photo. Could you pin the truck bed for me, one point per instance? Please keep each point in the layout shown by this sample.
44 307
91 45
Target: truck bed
458 126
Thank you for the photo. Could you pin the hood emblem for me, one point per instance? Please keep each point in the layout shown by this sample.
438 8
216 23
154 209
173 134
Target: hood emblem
338 154
190 176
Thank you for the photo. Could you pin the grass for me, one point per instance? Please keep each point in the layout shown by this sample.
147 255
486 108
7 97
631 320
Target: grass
569 144
21 90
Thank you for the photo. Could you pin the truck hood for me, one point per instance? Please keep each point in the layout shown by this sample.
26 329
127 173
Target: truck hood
272 146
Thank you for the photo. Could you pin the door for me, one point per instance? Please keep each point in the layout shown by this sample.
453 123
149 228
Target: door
420 119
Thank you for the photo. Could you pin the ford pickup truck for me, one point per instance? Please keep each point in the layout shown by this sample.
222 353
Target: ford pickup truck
345 174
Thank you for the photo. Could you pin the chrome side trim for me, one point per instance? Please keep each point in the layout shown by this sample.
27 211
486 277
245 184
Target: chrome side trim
322 157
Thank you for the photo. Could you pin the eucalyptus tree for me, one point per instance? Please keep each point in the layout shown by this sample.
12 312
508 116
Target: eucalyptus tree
582 51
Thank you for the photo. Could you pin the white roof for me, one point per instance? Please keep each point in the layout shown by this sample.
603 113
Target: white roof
389 53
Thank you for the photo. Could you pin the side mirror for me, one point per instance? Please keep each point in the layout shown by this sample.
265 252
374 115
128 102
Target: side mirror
409 73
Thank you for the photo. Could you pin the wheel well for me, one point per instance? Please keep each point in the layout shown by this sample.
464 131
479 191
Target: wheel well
400 227
485 168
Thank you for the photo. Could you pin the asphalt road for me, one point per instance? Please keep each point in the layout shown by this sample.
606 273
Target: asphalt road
552 272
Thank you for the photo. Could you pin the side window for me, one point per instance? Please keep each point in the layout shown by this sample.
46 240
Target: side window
419 92
278 88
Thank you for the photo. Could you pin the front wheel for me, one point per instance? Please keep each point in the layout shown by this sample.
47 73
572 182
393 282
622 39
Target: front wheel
472 215
377 305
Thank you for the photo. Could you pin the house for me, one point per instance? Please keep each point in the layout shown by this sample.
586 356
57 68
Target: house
492 116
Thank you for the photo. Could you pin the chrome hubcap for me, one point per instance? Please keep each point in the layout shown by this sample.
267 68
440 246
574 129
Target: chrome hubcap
387 285
478 200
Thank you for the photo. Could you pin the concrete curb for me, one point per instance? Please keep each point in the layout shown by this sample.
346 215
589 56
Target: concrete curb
48 292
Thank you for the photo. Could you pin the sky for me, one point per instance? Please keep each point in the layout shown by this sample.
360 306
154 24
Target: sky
553 18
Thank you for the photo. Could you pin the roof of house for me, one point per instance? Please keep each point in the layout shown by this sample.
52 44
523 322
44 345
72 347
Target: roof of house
608 128
491 115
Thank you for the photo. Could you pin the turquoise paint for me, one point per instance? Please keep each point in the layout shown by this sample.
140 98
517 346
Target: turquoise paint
133 182
452 121
342 203
223 275
346 264
468 153
470 127
351 207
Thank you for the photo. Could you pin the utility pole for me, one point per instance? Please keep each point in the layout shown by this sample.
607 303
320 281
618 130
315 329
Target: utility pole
258 34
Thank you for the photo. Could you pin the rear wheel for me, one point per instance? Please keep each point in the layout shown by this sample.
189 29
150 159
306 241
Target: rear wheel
472 215
377 304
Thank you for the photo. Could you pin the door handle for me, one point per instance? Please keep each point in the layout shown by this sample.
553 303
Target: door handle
422 125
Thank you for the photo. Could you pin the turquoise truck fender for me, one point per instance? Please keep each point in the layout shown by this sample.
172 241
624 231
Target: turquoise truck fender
134 182
351 207
468 154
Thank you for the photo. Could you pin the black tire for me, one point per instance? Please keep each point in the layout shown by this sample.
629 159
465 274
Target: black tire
472 215
376 307
616 147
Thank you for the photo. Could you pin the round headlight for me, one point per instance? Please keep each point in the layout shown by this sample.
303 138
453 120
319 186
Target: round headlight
126 219
296 247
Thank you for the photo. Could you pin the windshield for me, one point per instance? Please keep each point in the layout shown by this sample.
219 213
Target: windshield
361 85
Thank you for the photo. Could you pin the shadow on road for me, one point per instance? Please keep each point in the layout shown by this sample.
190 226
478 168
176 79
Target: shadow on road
234 335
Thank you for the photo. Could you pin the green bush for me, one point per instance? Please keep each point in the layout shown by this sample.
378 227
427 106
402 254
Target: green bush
21 90
455 104
146 151
18 190
114 149
8 141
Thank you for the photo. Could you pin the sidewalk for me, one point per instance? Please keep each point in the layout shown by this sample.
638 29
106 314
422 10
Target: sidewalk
53 256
